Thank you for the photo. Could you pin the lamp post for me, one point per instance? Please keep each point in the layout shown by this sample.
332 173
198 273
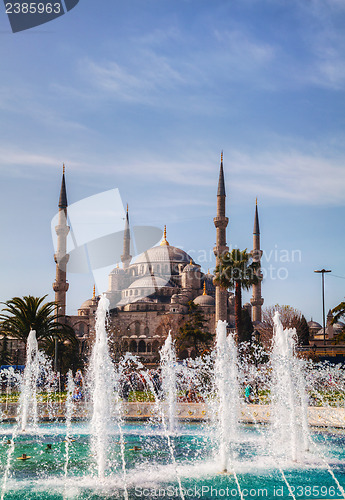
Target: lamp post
323 271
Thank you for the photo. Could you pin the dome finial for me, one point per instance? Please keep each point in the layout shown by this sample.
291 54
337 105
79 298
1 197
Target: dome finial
164 243
204 292
94 292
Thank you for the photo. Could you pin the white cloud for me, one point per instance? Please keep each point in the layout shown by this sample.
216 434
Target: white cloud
290 176
151 73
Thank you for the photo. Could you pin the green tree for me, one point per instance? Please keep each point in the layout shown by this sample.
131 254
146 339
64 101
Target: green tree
5 355
302 330
237 270
194 332
20 315
338 311
68 352
247 326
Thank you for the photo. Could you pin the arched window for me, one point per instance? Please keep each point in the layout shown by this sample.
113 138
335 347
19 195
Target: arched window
133 346
137 328
146 331
141 346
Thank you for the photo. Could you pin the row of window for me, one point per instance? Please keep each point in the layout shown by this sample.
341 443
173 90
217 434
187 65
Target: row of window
141 346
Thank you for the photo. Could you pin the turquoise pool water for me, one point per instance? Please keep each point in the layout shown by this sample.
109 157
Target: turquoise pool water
150 471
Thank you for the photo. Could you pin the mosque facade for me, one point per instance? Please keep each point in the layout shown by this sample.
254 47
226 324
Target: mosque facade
150 296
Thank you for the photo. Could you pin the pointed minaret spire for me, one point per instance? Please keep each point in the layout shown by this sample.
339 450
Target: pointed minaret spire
63 195
221 222
126 257
60 286
204 292
256 219
221 183
94 292
256 300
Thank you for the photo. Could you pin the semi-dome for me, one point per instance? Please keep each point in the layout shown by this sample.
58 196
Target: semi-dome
150 282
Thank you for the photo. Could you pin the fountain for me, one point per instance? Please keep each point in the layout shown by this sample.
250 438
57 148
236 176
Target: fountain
289 399
101 377
168 367
226 382
144 449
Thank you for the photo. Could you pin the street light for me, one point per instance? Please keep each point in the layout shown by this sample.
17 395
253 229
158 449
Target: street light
323 271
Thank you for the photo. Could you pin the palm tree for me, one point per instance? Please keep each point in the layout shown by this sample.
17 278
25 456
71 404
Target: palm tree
339 311
236 270
20 315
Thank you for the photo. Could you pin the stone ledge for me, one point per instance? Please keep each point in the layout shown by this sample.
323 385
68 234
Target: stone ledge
186 412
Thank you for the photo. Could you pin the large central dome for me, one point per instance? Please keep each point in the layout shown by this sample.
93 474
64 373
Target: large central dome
161 254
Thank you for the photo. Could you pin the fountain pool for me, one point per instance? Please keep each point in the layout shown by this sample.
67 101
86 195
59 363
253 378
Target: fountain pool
150 473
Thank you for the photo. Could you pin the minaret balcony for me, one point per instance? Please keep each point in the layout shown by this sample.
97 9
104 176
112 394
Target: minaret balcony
256 301
256 254
220 250
62 230
61 258
221 222
60 286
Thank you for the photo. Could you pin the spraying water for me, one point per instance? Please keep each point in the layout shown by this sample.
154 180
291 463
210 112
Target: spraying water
102 381
226 382
27 401
168 367
69 414
28 397
289 400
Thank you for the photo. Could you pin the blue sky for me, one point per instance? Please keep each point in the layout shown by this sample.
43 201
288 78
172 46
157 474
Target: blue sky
143 95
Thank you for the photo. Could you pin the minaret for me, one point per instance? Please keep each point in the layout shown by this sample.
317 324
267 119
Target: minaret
126 257
256 299
221 223
60 286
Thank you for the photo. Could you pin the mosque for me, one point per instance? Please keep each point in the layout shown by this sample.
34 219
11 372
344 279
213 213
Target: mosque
150 296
